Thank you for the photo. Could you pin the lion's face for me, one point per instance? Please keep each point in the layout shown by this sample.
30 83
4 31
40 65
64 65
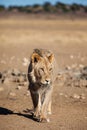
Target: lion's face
42 69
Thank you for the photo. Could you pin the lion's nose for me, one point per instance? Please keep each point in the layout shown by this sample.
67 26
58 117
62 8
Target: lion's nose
47 81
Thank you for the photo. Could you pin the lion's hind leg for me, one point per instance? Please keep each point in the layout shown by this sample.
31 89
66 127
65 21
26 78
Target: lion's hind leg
49 111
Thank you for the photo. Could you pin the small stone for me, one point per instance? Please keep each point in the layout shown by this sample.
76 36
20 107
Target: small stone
21 79
82 96
15 111
68 67
12 94
25 83
48 120
28 93
16 72
6 81
19 87
21 84
25 61
81 66
76 96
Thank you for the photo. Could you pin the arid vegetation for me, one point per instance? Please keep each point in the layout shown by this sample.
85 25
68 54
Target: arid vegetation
47 7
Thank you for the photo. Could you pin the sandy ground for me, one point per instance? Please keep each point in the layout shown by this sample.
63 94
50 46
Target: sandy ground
68 40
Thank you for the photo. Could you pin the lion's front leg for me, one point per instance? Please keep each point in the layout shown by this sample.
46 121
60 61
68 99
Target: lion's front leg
46 106
36 98
37 108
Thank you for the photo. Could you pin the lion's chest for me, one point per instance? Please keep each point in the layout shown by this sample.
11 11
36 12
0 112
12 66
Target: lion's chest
38 88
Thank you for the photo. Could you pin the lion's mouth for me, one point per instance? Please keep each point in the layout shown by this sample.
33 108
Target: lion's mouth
45 84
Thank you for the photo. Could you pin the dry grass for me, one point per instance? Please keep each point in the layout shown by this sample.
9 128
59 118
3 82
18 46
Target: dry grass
20 36
42 31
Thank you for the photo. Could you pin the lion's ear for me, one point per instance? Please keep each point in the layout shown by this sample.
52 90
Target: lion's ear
35 58
51 57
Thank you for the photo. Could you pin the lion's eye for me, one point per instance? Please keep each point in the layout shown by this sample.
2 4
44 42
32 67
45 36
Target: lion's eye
50 69
41 69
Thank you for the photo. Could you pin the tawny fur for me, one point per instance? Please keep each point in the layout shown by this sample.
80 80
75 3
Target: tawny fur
41 77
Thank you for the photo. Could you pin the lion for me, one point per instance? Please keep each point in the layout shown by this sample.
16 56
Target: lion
41 78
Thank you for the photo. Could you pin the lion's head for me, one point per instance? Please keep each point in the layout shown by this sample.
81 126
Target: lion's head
41 67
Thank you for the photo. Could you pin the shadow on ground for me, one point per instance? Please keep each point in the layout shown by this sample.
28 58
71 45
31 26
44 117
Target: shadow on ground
5 111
